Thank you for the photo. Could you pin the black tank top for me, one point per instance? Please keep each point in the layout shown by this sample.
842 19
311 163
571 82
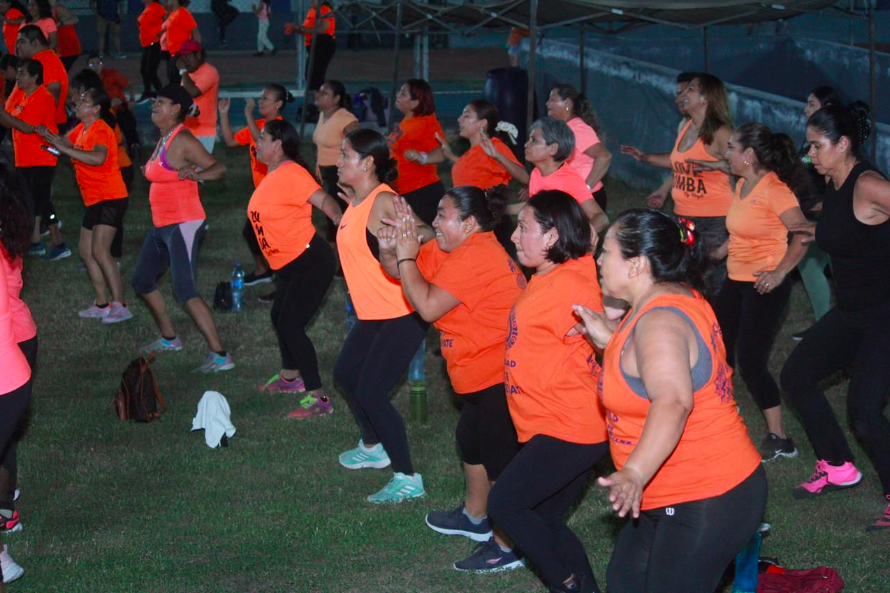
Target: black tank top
860 253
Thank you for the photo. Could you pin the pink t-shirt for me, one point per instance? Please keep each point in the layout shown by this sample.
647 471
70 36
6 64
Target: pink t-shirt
563 179
14 369
585 137
206 78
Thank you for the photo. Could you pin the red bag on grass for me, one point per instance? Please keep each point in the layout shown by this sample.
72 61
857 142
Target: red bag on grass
814 580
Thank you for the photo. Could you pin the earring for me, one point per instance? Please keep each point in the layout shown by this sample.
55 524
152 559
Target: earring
747 162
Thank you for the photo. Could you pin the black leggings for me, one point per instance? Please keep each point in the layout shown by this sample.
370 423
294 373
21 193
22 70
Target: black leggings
302 286
373 359
860 341
325 48
425 201
749 321
329 181
531 498
148 68
485 433
687 547
173 76
601 198
13 406
40 186
9 457
250 238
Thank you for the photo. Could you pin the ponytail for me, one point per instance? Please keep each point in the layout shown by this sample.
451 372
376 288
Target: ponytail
836 121
338 90
283 130
486 206
581 106
775 152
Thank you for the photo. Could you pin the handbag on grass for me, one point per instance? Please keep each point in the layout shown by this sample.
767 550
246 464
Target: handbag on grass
814 580
139 396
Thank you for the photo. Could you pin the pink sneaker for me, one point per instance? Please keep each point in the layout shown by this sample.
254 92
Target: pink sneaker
119 312
312 406
94 312
828 478
278 384
883 522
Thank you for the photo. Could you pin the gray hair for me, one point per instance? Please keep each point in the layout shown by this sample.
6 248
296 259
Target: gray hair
556 132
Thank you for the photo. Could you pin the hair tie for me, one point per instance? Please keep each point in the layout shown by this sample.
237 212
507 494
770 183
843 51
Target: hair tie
687 228
509 129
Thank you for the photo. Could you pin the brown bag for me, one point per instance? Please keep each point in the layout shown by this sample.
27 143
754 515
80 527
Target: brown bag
139 395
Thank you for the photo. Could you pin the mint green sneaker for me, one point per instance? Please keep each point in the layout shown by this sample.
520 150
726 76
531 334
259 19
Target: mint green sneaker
362 457
399 489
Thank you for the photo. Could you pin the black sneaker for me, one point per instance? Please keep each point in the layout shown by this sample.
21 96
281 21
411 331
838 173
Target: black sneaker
772 447
489 557
456 523
267 298
253 278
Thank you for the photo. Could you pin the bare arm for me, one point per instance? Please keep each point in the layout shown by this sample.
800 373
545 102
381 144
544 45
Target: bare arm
874 191
189 84
94 158
598 219
602 159
515 170
15 123
255 130
328 205
660 159
657 198
768 280
196 34
225 125
196 157
66 17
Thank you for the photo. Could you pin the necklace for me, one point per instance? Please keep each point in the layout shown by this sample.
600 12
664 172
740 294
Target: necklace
162 142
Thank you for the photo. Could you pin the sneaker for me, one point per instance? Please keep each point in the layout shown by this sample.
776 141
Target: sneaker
399 489
11 570
215 363
12 524
456 522
489 557
57 252
163 345
883 522
36 249
95 312
828 478
253 278
772 447
44 228
279 385
798 336
312 406
362 457
17 495
267 298
119 312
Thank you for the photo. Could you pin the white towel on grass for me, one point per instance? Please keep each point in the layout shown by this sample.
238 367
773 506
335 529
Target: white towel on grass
214 416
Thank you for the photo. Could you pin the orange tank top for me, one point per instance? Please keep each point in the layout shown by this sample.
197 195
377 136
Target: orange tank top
173 200
715 453
703 193
375 294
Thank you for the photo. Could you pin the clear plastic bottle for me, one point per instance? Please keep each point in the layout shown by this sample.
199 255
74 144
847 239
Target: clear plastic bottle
746 563
238 288
417 411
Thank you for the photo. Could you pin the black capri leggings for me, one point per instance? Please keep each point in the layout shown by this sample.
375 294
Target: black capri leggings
425 201
531 498
40 185
485 432
302 286
371 362
325 48
749 321
148 68
13 406
687 547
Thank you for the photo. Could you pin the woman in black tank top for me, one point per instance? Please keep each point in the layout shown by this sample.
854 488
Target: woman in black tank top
854 229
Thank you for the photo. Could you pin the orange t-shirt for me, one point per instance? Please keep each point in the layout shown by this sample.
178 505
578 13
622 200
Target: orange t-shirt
14 368
206 78
758 239
36 109
310 22
715 453
328 136
114 83
54 71
375 294
517 34
245 138
281 214
177 29
150 22
551 379
22 321
123 157
698 193
564 179
415 133
69 42
481 275
46 26
97 182
476 168
11 32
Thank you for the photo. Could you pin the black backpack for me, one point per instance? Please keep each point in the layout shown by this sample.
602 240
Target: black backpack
139 395
222 298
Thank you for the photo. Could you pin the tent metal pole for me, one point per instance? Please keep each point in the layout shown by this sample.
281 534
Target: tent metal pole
418 67
532 52
872 82
707 50
305 110
426 53
395 65
301 51
582 62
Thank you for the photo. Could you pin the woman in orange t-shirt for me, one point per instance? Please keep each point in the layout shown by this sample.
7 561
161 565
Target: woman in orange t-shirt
13 16
69 43
40 13
280 213
92 146
550 376
271 104
412 143
753 299
177 28
687 471
150 22
388 332
465 283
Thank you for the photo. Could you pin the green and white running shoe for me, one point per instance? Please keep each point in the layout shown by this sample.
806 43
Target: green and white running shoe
362 457
399 489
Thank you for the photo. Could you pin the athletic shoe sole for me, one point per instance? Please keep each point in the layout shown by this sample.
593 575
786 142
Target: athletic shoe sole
509 566
18 527
801 493
778 454
266 280
379 464
476 537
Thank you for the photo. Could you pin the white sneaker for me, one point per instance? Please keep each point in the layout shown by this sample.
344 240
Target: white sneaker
119 312
11 570
94 312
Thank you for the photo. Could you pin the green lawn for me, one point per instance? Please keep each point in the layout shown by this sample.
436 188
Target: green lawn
116 507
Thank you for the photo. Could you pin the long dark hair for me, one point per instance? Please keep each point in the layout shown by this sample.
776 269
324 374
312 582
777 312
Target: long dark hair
369 143
836 121
44 9
717 114
657 237
556 209
775 152
338 90
15 221
280 129
581 106
486 205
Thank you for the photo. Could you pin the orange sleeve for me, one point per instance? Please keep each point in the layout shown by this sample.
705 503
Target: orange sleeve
429 259
505 150
781 198
243 136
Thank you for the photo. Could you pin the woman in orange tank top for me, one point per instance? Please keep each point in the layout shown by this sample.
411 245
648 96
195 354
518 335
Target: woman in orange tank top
701 184
687 471
388 332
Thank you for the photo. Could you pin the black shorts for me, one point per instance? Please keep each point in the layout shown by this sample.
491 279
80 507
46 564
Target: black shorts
107 212
485 432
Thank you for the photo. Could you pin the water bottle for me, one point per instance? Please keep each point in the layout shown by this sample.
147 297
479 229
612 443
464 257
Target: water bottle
238 289
417 379
746 564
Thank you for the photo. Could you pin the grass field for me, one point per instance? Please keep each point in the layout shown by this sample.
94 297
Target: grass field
120 507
